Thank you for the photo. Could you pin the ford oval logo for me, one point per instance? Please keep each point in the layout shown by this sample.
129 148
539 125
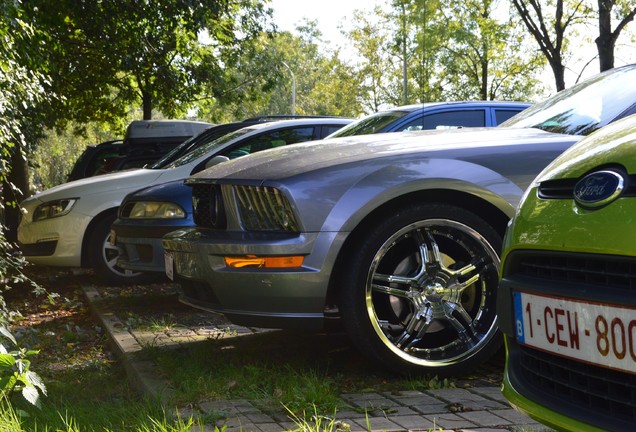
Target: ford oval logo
598 189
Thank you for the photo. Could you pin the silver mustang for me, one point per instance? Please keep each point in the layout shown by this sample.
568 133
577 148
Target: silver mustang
395 236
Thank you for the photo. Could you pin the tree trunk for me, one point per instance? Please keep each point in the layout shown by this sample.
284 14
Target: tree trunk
18 176
483 91
147 105
559 74
605 41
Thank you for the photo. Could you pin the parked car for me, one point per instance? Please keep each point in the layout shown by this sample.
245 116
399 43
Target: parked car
434 115
139 233
145 141
396 236
69 225
565 301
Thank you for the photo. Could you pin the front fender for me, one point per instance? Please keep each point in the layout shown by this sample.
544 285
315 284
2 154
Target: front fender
390 182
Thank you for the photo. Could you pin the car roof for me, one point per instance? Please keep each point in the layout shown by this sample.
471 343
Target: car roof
463 104
314 121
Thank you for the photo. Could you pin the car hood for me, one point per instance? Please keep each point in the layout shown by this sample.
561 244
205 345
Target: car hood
173 191
122 180
288 161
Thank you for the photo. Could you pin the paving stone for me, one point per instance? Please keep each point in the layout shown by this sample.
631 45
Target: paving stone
450 421
415 398
413 422
454 395
493 392
259 417
351 414
482 404
269 427
379 424
521 420
484 418
438 407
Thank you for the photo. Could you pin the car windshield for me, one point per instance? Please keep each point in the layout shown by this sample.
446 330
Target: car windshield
369 125
202 149
583 108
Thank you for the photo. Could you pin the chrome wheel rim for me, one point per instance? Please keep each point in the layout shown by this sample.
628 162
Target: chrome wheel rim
431 292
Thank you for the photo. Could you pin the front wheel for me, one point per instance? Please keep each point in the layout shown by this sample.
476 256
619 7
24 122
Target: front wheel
419 292
103 256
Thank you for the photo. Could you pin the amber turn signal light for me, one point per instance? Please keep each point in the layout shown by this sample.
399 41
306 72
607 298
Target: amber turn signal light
264 262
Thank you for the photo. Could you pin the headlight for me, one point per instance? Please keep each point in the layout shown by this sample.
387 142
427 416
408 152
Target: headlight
156 210
53 209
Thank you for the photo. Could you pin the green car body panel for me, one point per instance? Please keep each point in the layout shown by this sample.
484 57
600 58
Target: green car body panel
560 236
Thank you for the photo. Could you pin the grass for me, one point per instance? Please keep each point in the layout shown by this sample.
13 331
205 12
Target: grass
92 399
302 373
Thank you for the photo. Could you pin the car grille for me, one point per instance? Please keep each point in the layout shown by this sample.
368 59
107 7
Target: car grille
617 273
265 208
207 205
606 395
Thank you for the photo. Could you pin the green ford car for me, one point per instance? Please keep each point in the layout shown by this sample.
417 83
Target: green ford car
567 297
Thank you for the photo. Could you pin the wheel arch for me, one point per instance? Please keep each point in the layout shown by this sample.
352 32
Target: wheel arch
482 208
89 229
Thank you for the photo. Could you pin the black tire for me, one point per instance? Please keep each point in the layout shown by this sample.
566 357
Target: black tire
103 256
419 293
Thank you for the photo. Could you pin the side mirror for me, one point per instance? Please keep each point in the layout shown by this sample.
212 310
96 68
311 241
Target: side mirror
216 160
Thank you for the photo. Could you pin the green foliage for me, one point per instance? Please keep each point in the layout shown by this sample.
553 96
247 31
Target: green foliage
144 52
261 84
484 56
422 51
53 159
15 373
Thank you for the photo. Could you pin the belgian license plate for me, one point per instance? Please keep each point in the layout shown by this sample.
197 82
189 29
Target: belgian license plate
169 262
601 334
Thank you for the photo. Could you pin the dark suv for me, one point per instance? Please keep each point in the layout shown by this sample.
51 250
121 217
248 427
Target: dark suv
145 141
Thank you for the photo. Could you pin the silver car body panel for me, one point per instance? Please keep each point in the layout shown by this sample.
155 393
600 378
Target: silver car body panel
333 186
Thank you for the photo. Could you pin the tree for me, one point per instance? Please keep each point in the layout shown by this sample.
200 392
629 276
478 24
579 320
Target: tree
485 57
418 37
22 89
550 29
606 40
377 66
101 57
104 55
261 84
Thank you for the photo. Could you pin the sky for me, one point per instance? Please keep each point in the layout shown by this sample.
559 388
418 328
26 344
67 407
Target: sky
329 14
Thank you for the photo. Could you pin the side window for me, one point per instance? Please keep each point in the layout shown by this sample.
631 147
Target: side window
450 119
503 115
331 129
273 139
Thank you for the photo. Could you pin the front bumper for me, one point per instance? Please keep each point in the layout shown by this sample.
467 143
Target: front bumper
275 298
54 242
542 413
140 244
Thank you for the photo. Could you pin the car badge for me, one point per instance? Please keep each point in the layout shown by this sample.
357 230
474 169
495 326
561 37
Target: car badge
598 189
